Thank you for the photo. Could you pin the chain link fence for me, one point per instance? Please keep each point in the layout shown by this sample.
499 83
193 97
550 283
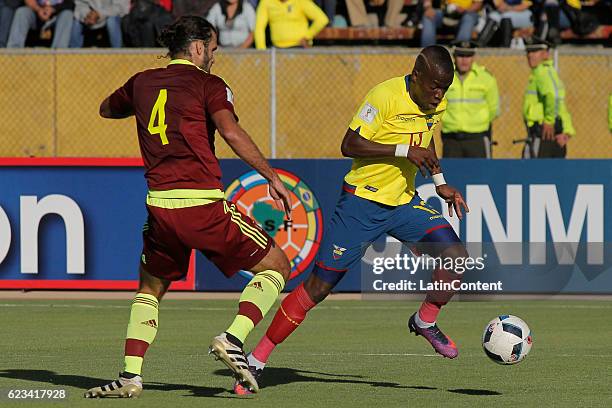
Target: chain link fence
294 103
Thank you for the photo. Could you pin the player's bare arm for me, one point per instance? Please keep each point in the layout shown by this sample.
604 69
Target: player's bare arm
242 144
108 113
355 146
450 194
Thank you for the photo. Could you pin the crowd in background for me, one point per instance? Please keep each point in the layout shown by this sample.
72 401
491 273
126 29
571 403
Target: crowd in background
290 23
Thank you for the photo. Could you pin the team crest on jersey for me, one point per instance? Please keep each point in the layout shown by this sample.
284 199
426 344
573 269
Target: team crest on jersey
430 121
368 113
299 237
338 252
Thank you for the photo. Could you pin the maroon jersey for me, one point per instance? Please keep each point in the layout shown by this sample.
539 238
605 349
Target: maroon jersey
173 108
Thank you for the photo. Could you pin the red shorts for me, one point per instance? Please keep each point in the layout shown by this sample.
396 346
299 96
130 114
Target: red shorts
230 239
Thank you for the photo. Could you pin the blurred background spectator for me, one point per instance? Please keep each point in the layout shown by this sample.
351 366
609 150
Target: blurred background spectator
44 15
460 15
144 22
7 10
235 21
516 10
90 15
290 23
329 8
358 14
191 7
553 16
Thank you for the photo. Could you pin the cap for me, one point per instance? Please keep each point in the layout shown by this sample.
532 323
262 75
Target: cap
464 48
536 44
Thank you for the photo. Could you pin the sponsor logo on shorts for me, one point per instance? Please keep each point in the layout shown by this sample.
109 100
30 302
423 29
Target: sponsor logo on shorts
299 237
370 188
338 252
151 323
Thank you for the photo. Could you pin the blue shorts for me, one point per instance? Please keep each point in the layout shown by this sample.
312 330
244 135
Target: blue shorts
357 222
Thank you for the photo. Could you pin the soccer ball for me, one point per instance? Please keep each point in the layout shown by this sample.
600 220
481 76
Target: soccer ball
507 339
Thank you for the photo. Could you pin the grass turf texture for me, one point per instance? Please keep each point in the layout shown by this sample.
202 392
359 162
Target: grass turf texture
347 353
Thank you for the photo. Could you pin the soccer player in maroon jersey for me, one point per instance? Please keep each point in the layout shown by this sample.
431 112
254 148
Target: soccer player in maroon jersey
177 110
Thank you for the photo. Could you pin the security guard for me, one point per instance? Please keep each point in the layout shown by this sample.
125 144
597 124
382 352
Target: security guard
473 103
549 124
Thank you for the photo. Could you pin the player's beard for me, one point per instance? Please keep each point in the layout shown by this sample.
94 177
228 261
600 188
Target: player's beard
206 65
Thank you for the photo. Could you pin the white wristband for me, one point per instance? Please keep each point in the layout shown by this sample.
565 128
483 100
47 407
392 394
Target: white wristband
438 179
401 150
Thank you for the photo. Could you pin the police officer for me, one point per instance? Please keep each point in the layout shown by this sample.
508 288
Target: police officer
549 124
473 103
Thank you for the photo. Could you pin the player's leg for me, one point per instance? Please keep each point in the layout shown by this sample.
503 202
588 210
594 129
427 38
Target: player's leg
355 221
163 260
245 247
255 301
420 223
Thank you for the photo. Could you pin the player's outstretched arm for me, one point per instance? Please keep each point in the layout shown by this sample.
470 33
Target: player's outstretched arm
450 194
356 146
242 144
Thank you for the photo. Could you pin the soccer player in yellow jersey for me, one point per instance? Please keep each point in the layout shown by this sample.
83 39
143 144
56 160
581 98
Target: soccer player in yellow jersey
289 23
390 138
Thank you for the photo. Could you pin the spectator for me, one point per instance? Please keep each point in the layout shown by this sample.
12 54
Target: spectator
551 18
144 23
462 13
191 7
235 22
289 23
329 7
7 10
359 16
42 14
95 14
516 10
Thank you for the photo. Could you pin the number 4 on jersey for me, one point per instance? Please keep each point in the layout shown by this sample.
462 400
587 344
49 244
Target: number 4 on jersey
159 111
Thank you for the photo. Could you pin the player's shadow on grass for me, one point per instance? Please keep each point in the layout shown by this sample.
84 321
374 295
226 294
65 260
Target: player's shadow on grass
82 382
469 391
279 375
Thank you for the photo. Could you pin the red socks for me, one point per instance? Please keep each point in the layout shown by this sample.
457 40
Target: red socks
289 316
435 299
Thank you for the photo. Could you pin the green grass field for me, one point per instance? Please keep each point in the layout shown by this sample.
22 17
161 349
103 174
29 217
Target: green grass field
347 353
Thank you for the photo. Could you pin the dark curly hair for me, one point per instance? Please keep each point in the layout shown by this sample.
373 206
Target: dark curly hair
178 35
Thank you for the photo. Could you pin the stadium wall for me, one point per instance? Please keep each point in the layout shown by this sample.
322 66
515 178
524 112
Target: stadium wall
295 103
76 223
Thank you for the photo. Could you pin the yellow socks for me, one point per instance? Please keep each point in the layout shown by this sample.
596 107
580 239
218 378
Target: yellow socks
141 331
255 301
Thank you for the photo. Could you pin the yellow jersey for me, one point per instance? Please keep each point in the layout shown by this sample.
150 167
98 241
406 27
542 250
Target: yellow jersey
389 116
289 22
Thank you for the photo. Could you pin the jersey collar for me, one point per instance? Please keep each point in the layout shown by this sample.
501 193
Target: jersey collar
180 61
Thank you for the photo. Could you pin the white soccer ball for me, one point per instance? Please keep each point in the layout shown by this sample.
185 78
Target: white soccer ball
507 339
